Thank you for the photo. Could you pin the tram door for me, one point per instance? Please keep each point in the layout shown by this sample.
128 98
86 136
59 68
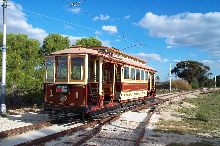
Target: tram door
93 82
108 83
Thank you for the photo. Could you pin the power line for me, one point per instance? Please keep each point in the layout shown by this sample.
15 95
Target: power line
69 23
74 3
124 35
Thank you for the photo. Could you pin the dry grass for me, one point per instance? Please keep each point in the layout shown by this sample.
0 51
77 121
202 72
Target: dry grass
203 118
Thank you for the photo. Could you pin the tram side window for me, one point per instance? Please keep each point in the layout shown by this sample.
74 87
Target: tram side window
77 68
62 68
118 73
49 74
146 75
126 72
133 74
142 74
97 71
137 74
91 72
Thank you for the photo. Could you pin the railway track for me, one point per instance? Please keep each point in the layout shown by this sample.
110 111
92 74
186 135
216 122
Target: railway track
99 123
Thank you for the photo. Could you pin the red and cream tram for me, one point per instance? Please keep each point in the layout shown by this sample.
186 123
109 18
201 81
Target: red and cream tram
92 80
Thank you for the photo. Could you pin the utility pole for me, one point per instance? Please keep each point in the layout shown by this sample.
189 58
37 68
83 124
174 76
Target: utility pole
3 86
170 78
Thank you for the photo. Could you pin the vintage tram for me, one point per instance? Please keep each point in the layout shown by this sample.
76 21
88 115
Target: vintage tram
93 80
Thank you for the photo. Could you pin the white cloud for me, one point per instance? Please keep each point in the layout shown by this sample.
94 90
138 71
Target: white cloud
68 27
110 28
75 10
154 57
101 17
17 23
194 30
165 60
208 62
127 17
193 54
169 47
97 32
212 64
117 40
106 43
72 39
177 60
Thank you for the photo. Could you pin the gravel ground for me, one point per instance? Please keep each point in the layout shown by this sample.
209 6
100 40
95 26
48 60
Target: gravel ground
123 131
21 119
21 138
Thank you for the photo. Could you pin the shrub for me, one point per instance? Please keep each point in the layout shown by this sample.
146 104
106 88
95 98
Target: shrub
201 117
195 84
181 85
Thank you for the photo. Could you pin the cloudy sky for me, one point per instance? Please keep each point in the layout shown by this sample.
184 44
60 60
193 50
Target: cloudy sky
158 31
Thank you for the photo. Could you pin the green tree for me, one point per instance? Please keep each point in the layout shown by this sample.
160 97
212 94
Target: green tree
54 42
23 73
192 71
88 42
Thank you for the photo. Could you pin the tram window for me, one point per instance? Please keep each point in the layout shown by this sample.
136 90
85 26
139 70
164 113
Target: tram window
91 72
62 68
137 74
132 73
126 72
97 71
142 74
107 72
49 74
146 75
118 73
77 68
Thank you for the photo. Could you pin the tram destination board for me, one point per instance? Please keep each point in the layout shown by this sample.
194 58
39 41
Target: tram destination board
62 89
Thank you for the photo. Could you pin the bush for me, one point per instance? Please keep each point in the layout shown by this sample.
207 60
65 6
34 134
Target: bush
27 100
195 84
181 85
201 117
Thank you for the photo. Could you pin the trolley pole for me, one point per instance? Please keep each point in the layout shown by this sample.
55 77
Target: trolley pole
3 85
170 78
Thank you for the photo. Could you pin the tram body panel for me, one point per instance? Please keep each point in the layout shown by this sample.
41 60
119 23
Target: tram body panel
66 94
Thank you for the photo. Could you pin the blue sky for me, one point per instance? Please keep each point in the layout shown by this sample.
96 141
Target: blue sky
159 31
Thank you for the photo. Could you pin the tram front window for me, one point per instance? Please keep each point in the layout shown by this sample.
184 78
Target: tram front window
49 74
77 68
62 68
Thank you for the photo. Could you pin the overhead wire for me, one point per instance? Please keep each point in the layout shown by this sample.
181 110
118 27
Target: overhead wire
103 22
123 37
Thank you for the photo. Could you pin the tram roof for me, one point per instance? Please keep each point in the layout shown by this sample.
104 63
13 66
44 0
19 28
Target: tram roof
106 53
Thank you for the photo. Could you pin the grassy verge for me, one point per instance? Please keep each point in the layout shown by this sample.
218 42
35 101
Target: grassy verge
203 143
204 118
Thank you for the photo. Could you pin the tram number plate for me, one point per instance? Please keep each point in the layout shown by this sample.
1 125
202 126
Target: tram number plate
62 89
